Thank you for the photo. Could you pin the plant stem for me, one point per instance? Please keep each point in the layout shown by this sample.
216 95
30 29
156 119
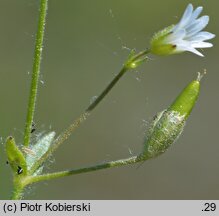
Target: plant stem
64 136
18 188
35 71
17 193
121 162
107 89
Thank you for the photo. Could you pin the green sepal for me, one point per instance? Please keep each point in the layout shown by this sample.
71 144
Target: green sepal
163 132
159 45
16 158
185 102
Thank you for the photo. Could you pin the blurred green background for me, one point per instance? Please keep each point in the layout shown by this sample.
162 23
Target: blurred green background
83 50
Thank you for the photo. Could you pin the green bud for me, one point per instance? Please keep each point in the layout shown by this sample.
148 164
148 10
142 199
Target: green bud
169 124
185 102
15 156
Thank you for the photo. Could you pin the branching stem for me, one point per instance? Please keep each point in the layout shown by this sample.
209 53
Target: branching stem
64 136
19 185
116 163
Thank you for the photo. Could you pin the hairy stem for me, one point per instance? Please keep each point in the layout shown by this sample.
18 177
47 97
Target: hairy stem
17 193
35 71
78 121
64 136
121 162
18 189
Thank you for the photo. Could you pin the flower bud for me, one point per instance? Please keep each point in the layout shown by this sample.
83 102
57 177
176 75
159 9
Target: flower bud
15 156
185 102
168 125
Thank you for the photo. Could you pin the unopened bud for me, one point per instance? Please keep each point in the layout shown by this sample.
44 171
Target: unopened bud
168 125
15 156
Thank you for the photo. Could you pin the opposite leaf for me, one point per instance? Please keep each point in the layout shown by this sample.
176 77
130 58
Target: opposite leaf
39 149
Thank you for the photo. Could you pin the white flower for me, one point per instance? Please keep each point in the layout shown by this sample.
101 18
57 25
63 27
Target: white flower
187 35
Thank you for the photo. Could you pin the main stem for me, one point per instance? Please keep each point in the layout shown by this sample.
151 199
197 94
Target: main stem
35 71
17 193
19 185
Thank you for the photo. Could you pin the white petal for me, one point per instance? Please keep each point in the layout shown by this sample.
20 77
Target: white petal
197 26
185 18
186 46
202 36
202 45
175 36
182 46
194 16
193 50
207 35
196 13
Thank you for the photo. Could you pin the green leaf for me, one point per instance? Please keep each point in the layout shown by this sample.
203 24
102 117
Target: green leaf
39 149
